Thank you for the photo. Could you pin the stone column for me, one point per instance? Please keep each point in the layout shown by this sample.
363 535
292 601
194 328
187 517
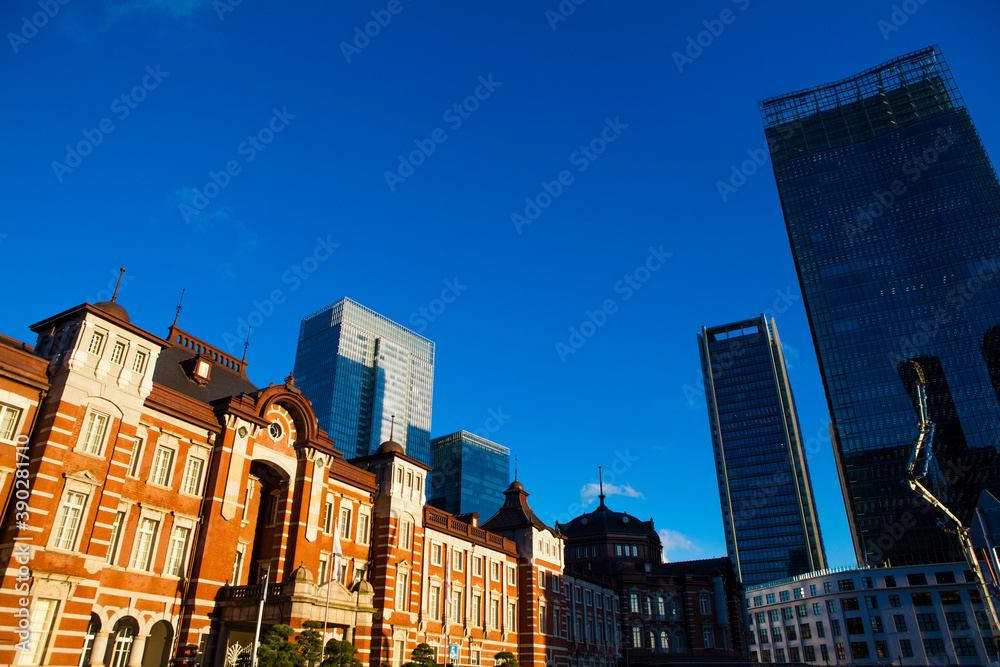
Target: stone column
100 647
138 648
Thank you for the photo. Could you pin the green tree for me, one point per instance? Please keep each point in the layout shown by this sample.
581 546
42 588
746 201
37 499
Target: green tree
277 650
310 642
423 656
340 654
506 659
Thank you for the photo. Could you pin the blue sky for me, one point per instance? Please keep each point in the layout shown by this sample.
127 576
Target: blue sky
271 159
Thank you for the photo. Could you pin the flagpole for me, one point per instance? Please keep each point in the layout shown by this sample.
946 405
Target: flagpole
338 552
260 615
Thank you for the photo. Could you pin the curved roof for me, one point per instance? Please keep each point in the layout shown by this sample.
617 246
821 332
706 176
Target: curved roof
602 521
514 513
113 309
390 446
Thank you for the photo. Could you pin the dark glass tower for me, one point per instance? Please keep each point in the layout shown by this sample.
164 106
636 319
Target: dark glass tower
470 474
359 369
768 509
892 211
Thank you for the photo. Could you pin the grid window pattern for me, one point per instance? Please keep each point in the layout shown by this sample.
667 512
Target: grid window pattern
192 476
928 622
177 551
163 460
876 270
470 475
752 416
68 521
957 620
9 419
116 533
142 555
934 648
965 647
92 436
900 621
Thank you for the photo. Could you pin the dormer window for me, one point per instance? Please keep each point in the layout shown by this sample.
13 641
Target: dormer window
202 369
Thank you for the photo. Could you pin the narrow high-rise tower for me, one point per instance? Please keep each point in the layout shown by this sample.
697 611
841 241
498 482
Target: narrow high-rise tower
470 474
768 509
360 370
893 215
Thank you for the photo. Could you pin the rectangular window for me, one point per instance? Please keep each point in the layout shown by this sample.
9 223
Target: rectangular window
327 517
871 602
831 606
764 637
457 560
824 653
177 551
916 579
776 634
934 648
841 654
139 362
398 646
855 626
118 353
817 610
758 600
900 622
800 593
456 607
965 647
890 581
835 626
790 633
92 437
633 603
345 523
191 483
401 591
476 657
850 604
772 614
477 566
324 570
784 596
779 655
68 521
801 611
272 512
405 537
810 653
944 577
951 597
495 570
495 613
820 630
859 650
435 554
364 522
134 458
827 587
982 620
434 602
477 610
142 556
895 602
793 654
928 622
770 598
956 620
812 590
786 612
43 618
116 533
237 568
163 459
805 631
96 339
511 617
845 585
882 649
541 579
9 418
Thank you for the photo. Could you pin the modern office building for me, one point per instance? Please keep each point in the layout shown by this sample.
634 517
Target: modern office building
914 615
360 370
768 508
892 210
470 474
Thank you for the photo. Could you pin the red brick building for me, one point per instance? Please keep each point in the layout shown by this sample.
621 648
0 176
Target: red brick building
670 612
149 486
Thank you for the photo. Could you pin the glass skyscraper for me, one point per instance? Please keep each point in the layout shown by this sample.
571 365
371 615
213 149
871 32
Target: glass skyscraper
768 508
359 369
892 211
470 474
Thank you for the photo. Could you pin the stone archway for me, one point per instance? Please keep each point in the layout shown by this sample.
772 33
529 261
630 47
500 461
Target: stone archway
121 641
158 643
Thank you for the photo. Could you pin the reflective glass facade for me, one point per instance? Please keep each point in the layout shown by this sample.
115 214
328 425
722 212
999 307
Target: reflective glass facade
768 509
359 368
892 210
470 474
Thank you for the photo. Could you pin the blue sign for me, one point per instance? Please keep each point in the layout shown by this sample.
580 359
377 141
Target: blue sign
453 653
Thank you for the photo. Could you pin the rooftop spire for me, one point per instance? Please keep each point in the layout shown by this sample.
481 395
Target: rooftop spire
121 272
245 346
515 468
392 426
600 479
179 307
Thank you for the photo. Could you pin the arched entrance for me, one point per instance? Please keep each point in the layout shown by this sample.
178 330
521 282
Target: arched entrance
120 642
158 645
267 512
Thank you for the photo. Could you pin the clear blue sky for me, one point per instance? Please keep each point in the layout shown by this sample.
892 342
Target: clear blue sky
267 92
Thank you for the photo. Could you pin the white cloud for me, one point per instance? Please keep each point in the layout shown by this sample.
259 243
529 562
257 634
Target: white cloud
591 490
674 541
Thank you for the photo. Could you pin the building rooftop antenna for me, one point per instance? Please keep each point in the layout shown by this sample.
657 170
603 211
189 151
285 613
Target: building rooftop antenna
179 307
600 480
245 346
392 426
121 272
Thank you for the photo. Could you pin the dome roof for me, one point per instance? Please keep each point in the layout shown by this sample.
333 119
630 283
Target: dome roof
603 521
113 309
390 447
515 486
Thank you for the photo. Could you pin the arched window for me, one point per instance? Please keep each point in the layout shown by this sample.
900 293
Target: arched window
664 640
661 606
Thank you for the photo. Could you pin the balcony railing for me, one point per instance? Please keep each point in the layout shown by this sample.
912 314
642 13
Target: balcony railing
249 593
